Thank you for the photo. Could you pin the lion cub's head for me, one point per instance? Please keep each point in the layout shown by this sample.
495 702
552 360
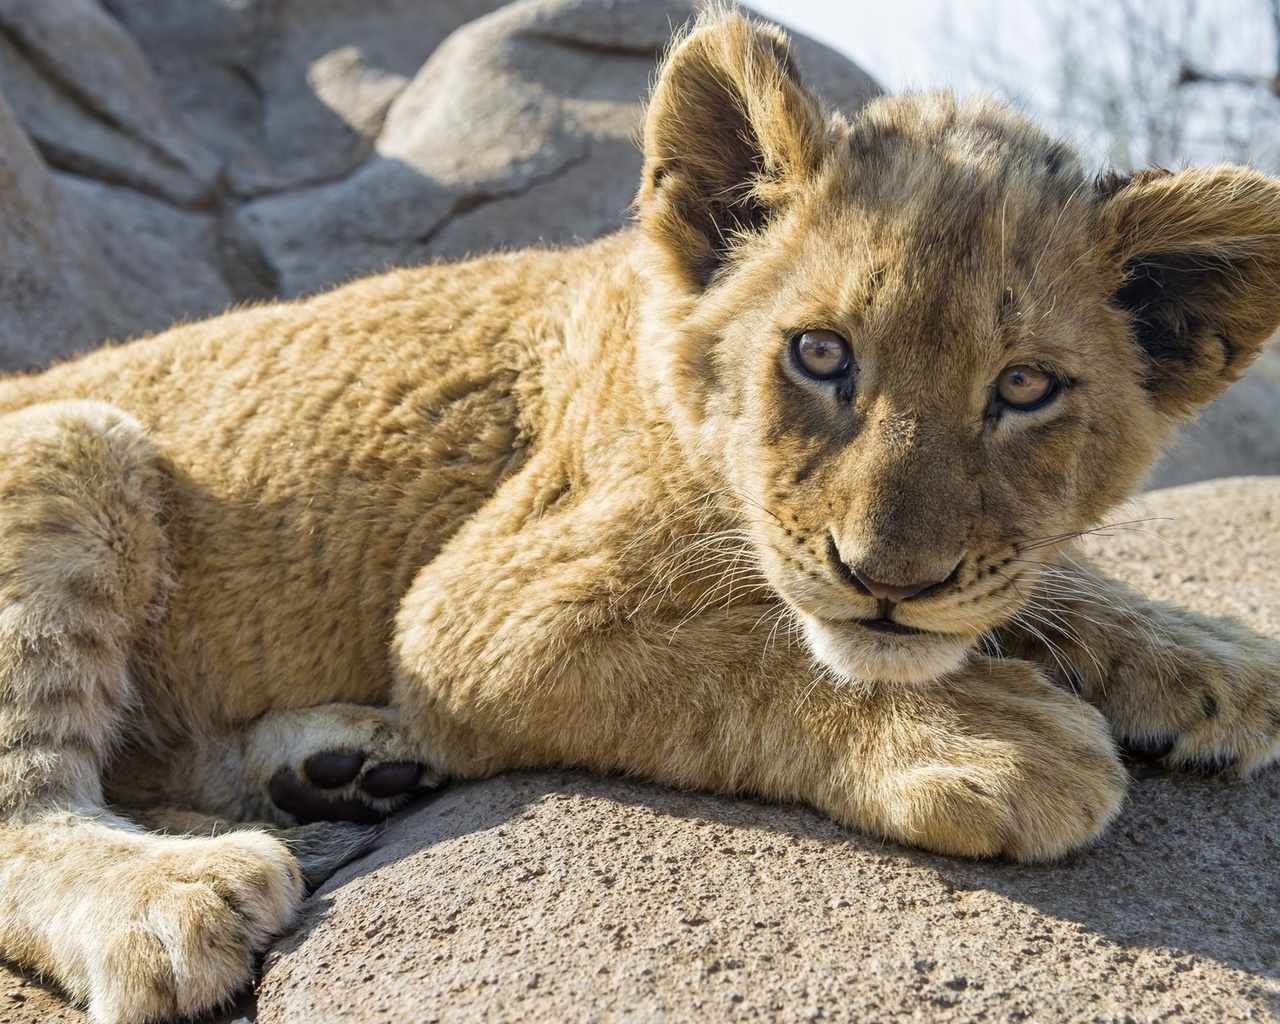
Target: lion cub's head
923 349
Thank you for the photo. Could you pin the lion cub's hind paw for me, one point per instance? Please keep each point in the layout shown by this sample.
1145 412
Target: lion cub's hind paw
340 762
357 793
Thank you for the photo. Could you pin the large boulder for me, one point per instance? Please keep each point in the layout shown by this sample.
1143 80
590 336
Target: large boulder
554 896
544 152
81 261
288 92
87 96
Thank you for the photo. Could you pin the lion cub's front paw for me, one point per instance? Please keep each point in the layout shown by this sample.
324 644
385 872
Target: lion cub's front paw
1210 703
1031 777
339 762
179 924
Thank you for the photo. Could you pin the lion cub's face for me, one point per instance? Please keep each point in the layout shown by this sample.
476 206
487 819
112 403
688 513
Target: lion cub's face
923 350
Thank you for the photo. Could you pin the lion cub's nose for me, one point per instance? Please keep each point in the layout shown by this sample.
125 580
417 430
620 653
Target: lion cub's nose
888 592
862 581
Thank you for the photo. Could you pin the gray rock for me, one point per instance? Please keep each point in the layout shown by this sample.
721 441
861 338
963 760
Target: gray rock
81 261
206 55
86 95
164 263
554 897
1238 434
543 153
289 92
52 294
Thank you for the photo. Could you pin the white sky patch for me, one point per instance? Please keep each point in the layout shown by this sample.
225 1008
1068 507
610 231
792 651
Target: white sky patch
1019 50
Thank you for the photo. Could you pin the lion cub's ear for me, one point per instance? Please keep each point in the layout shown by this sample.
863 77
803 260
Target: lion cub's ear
730 132
1197 259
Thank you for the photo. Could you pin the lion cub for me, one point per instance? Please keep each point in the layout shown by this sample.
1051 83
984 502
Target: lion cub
772 493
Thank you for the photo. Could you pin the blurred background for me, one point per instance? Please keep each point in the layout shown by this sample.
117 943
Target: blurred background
1130 82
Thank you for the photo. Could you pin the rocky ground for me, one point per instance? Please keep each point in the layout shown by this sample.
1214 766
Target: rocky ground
164 161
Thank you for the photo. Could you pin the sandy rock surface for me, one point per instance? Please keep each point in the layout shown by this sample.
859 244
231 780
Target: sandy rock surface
560 897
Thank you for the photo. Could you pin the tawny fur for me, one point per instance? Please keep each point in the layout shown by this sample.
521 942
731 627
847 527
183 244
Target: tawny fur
582 507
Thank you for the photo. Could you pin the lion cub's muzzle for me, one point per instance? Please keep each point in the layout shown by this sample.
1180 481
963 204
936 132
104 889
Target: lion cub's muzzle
887 595
887 633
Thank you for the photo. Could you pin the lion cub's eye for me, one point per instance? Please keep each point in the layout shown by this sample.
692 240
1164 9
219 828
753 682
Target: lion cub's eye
1025 388
821 355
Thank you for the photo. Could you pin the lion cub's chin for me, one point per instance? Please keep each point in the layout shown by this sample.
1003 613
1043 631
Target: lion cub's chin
857 654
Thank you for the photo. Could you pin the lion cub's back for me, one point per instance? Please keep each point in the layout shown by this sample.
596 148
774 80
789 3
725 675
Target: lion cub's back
320 452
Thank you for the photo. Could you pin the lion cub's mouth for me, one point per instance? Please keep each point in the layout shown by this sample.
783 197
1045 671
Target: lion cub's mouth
889 626
879 649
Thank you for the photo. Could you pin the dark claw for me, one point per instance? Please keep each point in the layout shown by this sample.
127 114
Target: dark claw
307 804
333 770
391 779
1146 748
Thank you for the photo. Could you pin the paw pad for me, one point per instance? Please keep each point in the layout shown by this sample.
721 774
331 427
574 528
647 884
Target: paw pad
391 779
305 797
332 770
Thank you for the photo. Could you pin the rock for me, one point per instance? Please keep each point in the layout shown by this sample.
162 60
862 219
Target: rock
86 95
1238 434
1213 546
289 92
545 152
554 896
55 294
83 261
163 262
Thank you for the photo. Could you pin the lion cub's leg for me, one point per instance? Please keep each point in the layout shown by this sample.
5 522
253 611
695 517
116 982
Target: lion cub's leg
1196 691
135 925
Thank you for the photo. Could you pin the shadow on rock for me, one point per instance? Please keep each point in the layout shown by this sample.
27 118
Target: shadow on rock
554 892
